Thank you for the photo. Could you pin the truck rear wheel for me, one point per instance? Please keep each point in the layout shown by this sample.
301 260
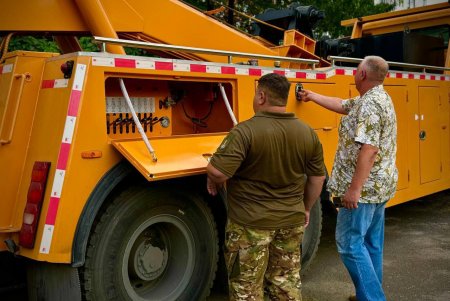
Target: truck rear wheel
152 244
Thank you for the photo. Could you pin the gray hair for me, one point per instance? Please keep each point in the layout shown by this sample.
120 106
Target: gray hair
376 66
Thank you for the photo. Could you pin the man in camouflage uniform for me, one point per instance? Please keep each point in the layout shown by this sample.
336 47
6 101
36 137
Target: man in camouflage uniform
364 174
274 166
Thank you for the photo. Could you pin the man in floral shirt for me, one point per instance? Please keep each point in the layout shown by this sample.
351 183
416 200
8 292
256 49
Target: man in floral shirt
364 174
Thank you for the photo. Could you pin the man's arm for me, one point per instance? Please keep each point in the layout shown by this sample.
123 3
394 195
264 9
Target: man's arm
331 103
215 179
364 163
313 189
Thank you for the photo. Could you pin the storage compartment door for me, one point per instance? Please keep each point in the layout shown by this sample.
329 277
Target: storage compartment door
177 157
316 116
399 98
429 135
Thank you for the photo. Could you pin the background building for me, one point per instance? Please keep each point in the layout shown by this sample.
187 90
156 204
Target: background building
405 4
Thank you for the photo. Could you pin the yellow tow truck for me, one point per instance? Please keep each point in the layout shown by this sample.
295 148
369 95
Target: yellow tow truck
103 154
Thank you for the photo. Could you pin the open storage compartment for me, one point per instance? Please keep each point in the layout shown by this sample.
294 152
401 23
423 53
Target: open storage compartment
185 121
168 107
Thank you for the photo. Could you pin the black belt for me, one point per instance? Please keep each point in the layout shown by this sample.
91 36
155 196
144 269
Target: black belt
337 201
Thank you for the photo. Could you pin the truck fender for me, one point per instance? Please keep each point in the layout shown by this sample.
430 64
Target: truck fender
95 201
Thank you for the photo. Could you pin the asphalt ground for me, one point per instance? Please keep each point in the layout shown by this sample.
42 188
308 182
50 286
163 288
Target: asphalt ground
416 261
416 257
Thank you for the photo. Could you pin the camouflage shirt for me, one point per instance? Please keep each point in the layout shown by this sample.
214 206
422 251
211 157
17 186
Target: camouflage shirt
370 120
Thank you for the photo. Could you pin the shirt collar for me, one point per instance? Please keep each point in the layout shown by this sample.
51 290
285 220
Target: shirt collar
275 114
375 89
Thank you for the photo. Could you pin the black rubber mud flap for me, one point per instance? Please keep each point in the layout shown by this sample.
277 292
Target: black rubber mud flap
50 281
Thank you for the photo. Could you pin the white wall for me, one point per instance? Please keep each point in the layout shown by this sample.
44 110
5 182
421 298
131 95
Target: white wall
411 3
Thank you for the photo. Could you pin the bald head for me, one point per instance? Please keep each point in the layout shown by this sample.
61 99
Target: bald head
376 67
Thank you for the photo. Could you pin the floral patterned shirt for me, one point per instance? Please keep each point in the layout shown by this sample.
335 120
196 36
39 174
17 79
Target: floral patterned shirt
371 120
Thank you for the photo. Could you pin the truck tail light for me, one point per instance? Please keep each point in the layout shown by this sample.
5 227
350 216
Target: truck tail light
35 197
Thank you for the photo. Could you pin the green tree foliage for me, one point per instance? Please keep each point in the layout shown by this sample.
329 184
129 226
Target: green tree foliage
30 43
87 44
47 44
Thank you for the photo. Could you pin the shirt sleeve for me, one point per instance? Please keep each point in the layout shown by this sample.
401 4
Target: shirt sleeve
369 124
231 152
348 104
315 166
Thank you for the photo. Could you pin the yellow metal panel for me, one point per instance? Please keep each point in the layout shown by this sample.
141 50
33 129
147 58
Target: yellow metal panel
410 22
45 141
180 156
445 131
430 145
316 116
48 15
329 140
427 16
98 21
13 154
244 107
399 97
176 23
357 30
57 15
123 16
10 111
393 14
6 82
9 161
82 175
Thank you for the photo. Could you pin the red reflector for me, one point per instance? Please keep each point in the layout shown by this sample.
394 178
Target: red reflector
40 170
27 236
35 192
32 210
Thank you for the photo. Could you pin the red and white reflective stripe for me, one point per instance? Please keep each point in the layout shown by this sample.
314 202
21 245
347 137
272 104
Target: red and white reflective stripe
427 76
213 68
6 68
63 157
350 72
55 83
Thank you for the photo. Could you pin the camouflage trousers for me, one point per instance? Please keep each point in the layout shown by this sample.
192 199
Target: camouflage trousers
261 261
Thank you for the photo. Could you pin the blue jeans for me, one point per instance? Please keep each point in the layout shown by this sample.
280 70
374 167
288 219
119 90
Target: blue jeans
360 239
